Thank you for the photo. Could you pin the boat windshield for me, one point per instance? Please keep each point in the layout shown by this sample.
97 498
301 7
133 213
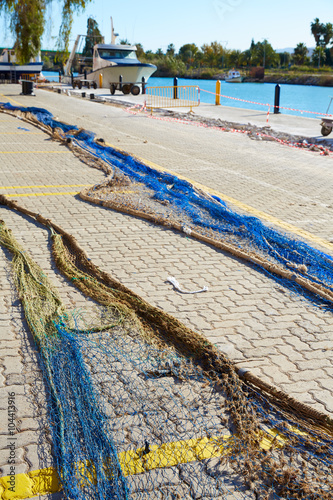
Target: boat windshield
116 54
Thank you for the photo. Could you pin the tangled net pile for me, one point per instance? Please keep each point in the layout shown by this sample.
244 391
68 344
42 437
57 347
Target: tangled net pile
143 407
140 406
135 188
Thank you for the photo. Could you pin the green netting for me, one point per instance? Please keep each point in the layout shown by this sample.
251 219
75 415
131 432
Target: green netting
142 407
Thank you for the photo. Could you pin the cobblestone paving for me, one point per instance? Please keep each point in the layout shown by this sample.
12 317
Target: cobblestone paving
280 337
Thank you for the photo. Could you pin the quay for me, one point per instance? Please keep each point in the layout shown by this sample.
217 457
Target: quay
280 337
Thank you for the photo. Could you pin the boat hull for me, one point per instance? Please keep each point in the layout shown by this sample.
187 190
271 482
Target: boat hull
9 71
237 79
130 73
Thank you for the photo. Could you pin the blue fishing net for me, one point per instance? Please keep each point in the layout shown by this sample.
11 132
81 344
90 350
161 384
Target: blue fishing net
209 214
136 416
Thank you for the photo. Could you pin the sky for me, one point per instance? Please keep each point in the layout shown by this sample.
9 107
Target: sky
233 23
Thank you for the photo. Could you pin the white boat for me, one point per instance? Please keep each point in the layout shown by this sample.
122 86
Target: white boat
234 77
10 70
116 66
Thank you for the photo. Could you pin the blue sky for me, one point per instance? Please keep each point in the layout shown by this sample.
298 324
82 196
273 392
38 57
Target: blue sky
231 22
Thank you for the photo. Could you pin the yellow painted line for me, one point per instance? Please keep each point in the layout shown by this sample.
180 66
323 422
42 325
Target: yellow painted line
46 186
44 481
258 213
24 195
33 152
247 208
12 100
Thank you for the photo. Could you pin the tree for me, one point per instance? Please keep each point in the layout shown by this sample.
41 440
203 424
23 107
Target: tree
246 58
139 50
300 54
93 36
124 41
323 33
234 58
263 54
318 56
318 30
212 54
27 21
285 58
328 33
171 50
187 52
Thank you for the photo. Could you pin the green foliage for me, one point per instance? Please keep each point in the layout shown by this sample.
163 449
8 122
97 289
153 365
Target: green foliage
285 58
171 66
212 54
318 56
300 54
139 50
323 33
28 21
263 54
171 50
234 58
93 36
188 52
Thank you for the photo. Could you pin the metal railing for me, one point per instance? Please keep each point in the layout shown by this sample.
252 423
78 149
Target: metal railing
173 97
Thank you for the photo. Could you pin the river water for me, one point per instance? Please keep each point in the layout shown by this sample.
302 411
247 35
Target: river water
303 100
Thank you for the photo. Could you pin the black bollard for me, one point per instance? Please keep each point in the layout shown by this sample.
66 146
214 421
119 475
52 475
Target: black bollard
120 82
175 88
277 100
143 85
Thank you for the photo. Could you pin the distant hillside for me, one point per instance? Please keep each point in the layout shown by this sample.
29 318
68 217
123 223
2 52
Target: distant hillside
291 50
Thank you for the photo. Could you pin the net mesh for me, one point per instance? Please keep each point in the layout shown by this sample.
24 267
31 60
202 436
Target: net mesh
163 198
142 407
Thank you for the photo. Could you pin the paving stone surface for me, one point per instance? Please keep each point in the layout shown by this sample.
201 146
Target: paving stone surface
281 337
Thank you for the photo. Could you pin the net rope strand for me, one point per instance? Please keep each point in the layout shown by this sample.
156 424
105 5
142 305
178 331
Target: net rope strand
72 260
82 446
297 462
211 220
248 409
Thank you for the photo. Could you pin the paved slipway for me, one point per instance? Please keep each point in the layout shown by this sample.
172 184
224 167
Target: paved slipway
280 337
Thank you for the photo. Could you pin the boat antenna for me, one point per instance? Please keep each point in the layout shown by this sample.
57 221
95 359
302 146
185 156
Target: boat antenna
113 34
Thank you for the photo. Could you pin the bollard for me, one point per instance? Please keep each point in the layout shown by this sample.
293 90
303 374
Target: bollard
143 85
83 94
277 100
217 93
175 88
100 80
92 96
120 82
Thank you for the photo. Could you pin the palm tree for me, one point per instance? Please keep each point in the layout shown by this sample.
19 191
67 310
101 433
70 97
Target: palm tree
300 54
328 33
317 29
